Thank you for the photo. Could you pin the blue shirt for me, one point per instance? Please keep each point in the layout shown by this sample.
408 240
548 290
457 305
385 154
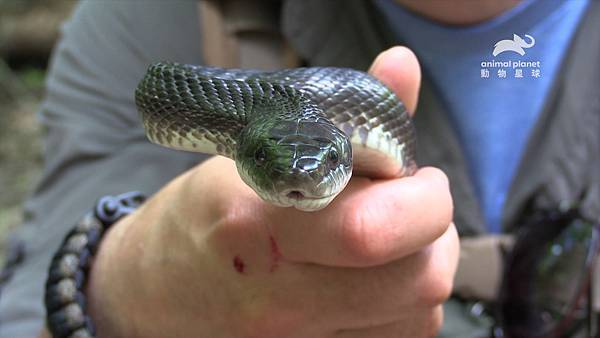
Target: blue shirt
493 100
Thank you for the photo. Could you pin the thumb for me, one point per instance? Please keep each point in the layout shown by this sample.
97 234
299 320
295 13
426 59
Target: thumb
398 68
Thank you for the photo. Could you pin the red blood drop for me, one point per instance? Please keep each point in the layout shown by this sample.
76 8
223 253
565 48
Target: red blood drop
239 264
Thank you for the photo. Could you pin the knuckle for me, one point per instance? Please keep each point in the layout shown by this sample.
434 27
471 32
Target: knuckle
436 281
232 218
441 226
436 321
357 242
445 217
434 289
438 186
445 221
443 291
239 213
439 176
233 225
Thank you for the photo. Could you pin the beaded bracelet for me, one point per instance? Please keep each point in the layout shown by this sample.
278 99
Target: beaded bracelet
65 300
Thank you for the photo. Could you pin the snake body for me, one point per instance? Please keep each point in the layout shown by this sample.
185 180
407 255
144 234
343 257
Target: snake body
296 134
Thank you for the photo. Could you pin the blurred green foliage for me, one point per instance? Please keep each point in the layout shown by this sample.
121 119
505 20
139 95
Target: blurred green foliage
33 78
28 30
20 145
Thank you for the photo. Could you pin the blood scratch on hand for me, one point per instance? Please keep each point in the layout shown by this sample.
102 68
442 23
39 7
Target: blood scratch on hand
239 264
275 254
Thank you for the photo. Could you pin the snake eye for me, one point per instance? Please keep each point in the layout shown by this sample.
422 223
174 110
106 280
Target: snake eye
260 156
333 157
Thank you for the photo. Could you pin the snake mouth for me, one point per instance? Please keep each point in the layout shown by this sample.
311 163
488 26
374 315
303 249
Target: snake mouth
295 195
303 201
309 203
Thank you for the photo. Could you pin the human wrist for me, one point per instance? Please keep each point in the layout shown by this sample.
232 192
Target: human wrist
107 305
124 283
68 275
141 277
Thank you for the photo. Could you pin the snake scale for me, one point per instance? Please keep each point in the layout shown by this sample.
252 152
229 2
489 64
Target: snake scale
296 135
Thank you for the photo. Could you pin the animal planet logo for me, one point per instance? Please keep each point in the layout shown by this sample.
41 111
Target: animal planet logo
520 68
517 45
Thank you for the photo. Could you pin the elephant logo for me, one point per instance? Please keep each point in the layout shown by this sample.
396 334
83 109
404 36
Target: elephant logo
517 45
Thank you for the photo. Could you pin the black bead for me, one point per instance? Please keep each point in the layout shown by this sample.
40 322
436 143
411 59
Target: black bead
87 223
63 267
85 257
81 333
76 243
66 320
94 235
63 293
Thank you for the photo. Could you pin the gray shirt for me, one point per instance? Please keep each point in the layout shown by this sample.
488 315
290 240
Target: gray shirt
94 143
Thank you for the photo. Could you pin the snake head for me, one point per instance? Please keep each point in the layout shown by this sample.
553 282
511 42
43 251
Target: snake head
302 163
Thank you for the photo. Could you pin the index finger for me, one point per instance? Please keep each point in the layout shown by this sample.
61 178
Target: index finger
369 223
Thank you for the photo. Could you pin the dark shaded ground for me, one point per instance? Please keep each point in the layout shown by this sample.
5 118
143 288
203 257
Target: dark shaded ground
28 29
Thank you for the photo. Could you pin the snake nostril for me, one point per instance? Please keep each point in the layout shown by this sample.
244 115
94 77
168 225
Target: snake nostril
295 194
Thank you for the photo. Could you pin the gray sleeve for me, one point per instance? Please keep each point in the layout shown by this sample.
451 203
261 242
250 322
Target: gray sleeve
94 143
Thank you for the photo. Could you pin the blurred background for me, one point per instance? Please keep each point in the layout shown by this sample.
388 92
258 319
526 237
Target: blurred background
28 30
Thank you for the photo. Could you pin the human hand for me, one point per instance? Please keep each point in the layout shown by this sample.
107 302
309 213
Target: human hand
205 257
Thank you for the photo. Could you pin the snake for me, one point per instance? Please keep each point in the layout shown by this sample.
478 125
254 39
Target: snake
296 135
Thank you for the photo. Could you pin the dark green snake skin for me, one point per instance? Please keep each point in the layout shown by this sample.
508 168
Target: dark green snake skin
295 134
